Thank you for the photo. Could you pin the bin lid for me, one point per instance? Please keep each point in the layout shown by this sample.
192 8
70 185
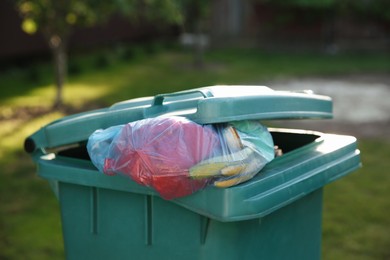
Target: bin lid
213 104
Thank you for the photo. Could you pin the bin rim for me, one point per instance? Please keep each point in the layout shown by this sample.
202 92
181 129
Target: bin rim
283 181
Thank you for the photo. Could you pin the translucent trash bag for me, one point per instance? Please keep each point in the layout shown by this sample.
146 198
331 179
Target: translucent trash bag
178 157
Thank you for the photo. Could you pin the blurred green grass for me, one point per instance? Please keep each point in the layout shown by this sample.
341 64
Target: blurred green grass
356 223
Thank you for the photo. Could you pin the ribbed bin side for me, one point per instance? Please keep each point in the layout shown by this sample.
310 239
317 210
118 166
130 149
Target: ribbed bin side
107 224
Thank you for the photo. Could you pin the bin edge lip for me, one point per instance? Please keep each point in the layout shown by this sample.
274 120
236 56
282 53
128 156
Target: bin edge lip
221 217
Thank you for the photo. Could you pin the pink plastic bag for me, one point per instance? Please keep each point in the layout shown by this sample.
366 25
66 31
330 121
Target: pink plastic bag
158 152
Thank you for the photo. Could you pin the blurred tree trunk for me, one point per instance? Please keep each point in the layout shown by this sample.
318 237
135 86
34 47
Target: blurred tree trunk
198 46
59 53
195 13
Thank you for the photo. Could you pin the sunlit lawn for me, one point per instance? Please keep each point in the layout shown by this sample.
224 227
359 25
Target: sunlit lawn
356 223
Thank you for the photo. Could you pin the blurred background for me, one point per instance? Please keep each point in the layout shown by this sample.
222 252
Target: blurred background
63 57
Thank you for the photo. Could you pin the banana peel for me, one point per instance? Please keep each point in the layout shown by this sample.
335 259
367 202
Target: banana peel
227 165
250 170
232 138
229 169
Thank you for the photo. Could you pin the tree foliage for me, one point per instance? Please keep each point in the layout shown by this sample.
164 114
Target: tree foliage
378 9
56 19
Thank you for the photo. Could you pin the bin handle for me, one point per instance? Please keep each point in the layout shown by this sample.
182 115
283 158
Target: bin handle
159 99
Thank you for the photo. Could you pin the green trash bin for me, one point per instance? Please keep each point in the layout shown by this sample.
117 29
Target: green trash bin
276 215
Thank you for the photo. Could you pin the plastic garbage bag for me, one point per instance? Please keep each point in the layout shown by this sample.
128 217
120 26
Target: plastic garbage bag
177 157
246 147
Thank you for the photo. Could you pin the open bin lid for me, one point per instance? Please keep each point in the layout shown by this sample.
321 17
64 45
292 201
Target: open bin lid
214 104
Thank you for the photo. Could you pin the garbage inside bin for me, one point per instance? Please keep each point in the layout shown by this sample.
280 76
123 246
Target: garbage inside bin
106 217
178 157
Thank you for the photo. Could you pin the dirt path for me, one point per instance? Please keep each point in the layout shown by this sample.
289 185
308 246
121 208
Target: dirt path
361 104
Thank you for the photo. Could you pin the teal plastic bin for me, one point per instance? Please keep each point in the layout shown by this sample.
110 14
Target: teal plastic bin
276 215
